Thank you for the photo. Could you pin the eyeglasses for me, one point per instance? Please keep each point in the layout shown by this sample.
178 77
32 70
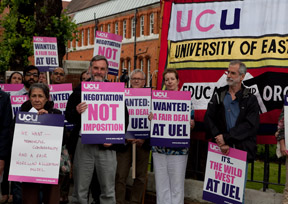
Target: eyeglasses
58 73
31 74
135 79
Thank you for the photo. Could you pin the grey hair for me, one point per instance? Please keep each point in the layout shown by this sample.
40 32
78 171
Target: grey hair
98 58
242 66
137 71
60 68
41 86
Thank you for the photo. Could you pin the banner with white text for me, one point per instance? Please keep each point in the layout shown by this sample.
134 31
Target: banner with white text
11 88
200 37
16 103
59 94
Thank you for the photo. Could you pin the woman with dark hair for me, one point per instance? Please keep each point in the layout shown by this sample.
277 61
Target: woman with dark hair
170 163
39 99
15 78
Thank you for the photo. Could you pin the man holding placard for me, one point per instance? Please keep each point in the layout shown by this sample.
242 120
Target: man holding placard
232 116
124 156
232 120
90 156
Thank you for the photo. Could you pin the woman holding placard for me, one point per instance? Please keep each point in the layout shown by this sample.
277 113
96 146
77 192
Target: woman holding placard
39 101
170 163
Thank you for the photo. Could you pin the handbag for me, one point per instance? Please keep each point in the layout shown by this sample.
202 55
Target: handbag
65 163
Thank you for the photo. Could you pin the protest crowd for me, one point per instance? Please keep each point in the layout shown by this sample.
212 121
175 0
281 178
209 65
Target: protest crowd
134 128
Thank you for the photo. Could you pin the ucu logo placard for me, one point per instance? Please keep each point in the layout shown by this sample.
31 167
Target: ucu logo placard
160 94
127 92
28 117
103 35
21 99
215 148
2 87
51 88
37 39
91 86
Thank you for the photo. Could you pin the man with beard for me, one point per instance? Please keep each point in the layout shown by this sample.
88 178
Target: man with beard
30 76
90 156
58 76
232 116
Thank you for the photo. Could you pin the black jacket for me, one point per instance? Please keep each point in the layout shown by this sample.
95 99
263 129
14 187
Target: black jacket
5 122
73 117
243 135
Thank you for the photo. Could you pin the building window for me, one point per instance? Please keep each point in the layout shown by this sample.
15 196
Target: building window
124 29
142 25
133 27
82 38
123 65
94 36
88 36
151 23
101 28
116 28
108 28
148 72
141 64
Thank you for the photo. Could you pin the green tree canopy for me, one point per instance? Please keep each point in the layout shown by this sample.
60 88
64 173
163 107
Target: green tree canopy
28 18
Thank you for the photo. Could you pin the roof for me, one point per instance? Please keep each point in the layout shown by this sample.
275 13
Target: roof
77 5
109 8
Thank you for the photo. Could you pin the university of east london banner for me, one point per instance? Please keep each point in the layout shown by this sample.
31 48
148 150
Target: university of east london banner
170 126
225 175
104 119
138 102
200 37
36 148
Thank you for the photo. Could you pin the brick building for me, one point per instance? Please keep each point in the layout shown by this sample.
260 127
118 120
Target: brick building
117 17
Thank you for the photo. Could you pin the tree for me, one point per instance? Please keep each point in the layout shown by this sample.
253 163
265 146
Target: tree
28 18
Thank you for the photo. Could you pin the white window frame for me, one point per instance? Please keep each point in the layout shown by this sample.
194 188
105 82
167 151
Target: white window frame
108 28
141 64
151 23
116 28
142 25
88 36
82 38
133 31
148 72
124 29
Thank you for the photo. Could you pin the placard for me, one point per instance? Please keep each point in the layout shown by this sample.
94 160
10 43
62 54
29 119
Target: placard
45 53
16 102
36 148
109 45
11 88
104 119
138 102
59 94
225 176
170 126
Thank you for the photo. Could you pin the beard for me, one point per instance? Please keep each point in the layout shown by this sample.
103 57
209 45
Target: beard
28 83
232 82
97 78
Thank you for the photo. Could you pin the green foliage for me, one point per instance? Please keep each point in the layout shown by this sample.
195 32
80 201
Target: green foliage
272 153
273 176
16 41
